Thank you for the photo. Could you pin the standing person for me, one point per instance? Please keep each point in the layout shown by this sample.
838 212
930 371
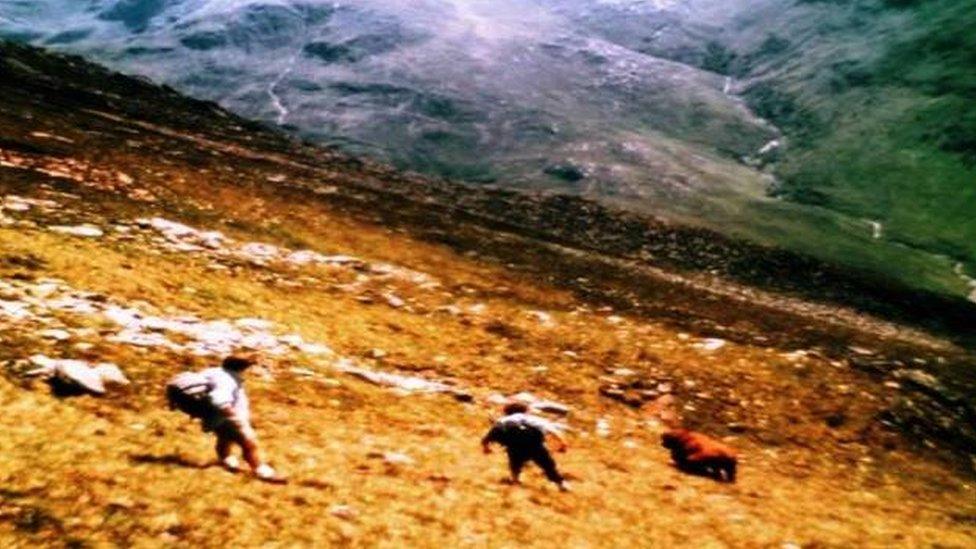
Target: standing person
216 396
523 436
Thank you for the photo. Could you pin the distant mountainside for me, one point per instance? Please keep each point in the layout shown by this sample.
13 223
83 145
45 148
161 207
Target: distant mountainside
835 128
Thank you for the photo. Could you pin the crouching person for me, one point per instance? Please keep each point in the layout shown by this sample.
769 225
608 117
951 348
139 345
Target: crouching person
523 436
216 396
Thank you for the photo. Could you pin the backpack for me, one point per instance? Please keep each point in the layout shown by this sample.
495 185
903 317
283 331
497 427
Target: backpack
189 392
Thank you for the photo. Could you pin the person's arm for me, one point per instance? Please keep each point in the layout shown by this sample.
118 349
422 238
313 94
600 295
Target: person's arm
486 441
225 397
561 445
551 430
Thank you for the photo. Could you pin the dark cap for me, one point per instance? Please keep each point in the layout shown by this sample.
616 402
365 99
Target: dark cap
238 363
515 408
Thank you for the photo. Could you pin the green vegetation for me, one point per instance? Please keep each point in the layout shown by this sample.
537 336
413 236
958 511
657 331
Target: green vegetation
879 114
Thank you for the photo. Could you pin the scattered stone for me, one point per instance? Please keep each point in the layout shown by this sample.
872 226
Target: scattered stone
78 373
542 318
711 344
137 327
259 252
927 383
393 458
393 301
55 334
110 373
861 351
541 405
343 512
407 384
17 310
87 231
45 135
630 388
551 407
452 310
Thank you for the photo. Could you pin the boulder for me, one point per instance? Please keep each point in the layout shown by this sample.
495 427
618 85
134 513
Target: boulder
78 374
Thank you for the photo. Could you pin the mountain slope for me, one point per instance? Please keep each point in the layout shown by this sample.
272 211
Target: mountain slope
875 100
453 88
630 103
156 232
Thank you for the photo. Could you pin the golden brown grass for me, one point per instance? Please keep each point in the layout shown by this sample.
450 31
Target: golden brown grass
122 470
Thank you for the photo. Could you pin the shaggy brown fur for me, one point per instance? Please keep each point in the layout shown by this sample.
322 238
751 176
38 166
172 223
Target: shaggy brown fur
698 454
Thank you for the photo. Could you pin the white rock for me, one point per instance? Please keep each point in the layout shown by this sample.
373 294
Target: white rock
551 407
16 206
314 349
110 373
542 317
79 372
17 310
408 384
393 301
22 204
711 344
88 231
73 304
396 458
343 512
142 339
259 251
55 334
303 257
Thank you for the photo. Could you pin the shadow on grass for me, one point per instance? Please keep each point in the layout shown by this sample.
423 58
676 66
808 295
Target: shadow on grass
704 472
168 459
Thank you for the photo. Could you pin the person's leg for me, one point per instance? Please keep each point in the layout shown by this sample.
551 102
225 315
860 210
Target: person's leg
223 447
247 439
543 459
516 461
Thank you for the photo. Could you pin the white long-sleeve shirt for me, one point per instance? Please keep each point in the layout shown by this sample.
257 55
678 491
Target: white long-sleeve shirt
228 390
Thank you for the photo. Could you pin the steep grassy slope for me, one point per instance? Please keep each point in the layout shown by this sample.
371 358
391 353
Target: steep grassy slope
810 393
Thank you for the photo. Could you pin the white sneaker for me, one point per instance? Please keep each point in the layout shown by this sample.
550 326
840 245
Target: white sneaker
232 463
267 473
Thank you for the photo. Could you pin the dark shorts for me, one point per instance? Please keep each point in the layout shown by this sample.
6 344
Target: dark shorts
226 429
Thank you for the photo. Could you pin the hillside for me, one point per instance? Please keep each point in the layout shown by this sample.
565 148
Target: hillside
806 125
157 232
